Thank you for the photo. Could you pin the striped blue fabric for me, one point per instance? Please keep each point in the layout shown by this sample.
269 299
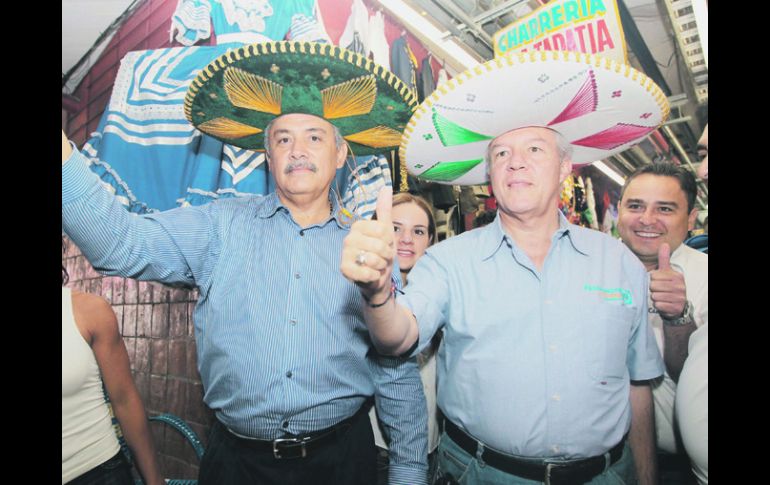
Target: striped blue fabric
282 344
364 183
191 21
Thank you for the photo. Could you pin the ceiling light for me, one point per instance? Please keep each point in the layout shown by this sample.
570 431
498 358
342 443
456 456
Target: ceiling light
618 179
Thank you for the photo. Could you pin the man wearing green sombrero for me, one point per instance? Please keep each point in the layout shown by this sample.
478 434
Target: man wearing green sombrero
543 374
283 353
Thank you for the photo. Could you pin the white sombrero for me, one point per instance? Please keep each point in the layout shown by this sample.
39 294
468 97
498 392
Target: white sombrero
602 107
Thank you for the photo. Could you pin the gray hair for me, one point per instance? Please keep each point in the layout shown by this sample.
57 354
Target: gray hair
340 142
562 145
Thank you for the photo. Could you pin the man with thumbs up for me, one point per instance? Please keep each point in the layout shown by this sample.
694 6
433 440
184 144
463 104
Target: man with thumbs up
545 327
283 353
656 211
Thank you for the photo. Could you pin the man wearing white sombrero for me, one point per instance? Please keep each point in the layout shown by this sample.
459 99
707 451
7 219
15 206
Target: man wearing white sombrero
543 372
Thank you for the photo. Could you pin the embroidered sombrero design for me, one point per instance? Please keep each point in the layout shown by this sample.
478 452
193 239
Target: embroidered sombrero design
238 94
600 106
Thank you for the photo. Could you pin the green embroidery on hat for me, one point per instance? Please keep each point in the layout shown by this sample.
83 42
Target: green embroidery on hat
612 293
448 171
452 134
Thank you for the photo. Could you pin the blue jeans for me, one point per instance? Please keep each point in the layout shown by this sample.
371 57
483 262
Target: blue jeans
115 471
468 470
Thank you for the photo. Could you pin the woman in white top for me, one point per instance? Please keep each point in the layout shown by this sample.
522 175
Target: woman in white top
415 231
93 353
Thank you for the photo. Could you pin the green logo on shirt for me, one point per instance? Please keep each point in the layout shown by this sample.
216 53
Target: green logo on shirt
611 293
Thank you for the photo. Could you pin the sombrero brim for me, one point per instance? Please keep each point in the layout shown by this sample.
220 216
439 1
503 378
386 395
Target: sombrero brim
238 94
601 107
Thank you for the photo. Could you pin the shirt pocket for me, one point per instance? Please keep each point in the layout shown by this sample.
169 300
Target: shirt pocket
608 349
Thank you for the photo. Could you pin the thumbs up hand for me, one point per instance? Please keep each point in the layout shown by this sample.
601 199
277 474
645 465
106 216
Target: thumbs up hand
368 251
667 286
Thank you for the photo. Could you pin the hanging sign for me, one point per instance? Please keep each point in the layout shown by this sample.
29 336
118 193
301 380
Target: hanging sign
588 26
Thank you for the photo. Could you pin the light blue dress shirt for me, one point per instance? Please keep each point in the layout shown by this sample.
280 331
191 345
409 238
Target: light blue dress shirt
282 344
536 363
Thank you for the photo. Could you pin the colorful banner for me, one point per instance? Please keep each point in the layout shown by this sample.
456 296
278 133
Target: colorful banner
589 26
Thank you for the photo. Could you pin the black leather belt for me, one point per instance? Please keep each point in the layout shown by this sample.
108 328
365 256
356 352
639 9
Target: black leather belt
551 472
297 446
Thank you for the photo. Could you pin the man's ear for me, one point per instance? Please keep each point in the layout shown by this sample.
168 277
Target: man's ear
691 219
342 154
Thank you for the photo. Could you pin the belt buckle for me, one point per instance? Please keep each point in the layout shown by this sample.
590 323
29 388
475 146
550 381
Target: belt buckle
548 468
278 441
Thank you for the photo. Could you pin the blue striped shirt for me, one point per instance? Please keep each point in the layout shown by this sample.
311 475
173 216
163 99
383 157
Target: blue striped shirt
282 344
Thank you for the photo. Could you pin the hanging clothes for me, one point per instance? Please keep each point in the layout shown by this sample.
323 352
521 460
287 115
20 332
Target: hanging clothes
378 43
426 84
310 29
404 63
355 37
610 222
441 77
590 213
191 22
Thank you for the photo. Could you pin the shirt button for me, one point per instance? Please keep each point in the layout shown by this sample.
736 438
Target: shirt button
289 374
556 397
302 232
285 424
296 275
293 321
555 448
552 348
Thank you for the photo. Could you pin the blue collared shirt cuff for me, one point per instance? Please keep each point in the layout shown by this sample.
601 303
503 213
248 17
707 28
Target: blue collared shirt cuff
406 475
76 177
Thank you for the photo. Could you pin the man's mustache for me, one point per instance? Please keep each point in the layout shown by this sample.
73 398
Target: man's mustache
301 164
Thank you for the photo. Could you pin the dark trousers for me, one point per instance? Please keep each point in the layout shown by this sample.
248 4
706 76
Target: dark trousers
350 459
115 471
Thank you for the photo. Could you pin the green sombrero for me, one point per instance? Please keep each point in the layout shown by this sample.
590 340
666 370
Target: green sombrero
239 93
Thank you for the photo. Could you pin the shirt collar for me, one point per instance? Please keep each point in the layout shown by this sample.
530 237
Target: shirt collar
494 236
573 233
273 204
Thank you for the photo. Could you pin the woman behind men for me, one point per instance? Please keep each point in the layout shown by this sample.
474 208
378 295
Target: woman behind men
415 231
92 351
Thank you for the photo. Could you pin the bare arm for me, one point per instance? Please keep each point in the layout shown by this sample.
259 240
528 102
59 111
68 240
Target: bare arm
66 149
95 316
392 327
641 437
675 347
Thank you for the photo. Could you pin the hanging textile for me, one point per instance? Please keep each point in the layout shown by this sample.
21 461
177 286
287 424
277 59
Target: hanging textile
145 149
426 84
610 222
309 28
378 43
191 22
403 62
364 183
590 213
355 37
442 76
